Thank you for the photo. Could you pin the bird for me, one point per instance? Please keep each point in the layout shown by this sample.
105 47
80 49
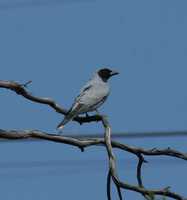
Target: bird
92 95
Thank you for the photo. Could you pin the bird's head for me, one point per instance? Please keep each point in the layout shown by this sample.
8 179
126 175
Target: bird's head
106 73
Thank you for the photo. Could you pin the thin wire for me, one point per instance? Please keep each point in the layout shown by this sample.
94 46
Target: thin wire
86 163
36 3
115 135
134 134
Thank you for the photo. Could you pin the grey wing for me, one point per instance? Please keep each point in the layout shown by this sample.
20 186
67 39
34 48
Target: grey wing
92 96
77 105
80 105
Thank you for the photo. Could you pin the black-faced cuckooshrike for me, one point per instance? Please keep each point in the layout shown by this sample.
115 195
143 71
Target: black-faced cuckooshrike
91 96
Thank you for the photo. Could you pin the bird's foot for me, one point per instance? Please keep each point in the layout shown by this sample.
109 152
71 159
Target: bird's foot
97 112
87 115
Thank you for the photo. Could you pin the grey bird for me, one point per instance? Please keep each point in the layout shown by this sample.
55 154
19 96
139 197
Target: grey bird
91 96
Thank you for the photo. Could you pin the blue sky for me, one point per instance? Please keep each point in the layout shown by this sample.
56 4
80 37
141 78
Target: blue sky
59 45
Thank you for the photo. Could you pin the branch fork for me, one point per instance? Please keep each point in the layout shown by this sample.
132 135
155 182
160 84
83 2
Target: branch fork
21 89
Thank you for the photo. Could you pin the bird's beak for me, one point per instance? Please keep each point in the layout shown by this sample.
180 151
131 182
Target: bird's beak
114 73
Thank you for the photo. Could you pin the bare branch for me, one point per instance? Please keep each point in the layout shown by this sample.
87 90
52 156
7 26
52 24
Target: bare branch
119 192
141 160
111 157
20 89
83 143
150 152
139 173
109 186
116 180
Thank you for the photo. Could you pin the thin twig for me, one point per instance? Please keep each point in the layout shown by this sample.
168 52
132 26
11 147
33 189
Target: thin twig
119 192
141 160
139 167
26 84
109 186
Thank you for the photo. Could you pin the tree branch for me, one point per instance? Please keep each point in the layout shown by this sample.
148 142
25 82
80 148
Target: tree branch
141 160
119 184
83 143
87 142
109 186
111 157
20 89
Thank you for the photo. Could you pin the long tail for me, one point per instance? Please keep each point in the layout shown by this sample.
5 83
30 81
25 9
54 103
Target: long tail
62 124
70 115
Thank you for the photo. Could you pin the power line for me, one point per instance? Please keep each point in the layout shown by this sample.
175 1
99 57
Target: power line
149 134
76 163
115 135
37 3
